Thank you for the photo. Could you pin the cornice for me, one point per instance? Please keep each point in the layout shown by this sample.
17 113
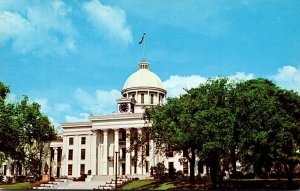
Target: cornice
144 88
86 124
116 117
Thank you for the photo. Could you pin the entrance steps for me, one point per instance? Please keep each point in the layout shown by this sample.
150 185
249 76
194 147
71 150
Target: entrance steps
54 184
102 177
109 177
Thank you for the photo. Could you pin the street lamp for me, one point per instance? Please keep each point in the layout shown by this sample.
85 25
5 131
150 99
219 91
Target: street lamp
116 183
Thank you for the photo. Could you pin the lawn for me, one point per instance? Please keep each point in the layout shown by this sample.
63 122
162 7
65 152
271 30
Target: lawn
23 186
148 185
165 186
19 186
262 184
137 184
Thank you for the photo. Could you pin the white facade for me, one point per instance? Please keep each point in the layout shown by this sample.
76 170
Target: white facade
91 147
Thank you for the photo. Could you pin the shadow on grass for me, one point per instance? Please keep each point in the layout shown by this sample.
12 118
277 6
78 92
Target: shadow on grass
235 184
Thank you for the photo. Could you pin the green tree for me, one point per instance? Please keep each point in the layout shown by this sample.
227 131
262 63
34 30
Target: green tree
173 128
24 130
198 122
214 121
288 131
268 118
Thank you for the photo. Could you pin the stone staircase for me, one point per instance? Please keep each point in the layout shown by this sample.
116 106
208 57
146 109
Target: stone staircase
112 184
54 184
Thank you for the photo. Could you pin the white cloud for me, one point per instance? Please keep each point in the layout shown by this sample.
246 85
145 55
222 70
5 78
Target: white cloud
44 104
56 125
102 102
53 110
288 77
175 85
108 21
83 117
11 98
40 28
241 76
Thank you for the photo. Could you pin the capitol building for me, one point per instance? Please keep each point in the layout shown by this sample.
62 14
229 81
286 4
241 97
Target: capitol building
99 146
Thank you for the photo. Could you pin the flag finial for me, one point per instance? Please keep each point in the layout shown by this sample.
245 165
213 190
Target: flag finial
143 41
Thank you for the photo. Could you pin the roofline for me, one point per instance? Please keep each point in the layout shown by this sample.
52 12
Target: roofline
144 88
86 124
117 116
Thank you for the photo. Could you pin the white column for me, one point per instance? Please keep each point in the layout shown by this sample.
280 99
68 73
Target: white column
93 147
54 168
64 165
127 160
139 164
152 155
105 145
117 150
99 152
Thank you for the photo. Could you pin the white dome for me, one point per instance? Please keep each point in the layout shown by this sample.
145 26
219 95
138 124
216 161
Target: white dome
143 78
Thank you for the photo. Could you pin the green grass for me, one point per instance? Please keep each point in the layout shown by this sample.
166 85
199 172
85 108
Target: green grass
137 184
20 186
165 186
148 185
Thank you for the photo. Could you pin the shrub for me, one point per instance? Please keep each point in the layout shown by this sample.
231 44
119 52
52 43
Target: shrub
20 178
159 171
9 180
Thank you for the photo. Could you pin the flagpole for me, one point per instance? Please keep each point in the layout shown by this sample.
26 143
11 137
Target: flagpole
144 46
143 41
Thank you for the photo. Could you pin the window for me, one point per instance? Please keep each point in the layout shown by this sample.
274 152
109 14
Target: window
171 168
83 140
70 169
147 166
142 98
185 168
152 98
82 169
147 149
71 141
159 98
5 168
200 167
169 152
70 154
123 153
123 136
82 154
135 167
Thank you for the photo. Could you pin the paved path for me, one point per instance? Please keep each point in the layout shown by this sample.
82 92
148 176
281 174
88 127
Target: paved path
83 185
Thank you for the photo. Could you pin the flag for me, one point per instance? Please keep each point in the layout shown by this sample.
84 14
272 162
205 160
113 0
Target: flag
141 41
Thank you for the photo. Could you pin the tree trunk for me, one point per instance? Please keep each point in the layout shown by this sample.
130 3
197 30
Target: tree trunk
214 171
289 173
233 161
213 176
41 163
192 166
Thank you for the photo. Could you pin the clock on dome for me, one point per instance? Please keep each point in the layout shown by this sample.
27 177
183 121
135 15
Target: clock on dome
123 107
126 105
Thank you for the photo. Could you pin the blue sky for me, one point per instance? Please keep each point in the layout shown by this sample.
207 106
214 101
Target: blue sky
73 57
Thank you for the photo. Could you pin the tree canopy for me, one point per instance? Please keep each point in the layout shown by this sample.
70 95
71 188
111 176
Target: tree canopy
24 130
254 122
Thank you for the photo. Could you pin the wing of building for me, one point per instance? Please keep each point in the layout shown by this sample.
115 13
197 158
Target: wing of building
98 146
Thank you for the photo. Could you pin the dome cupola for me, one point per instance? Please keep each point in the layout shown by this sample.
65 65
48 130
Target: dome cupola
145 87
143 78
